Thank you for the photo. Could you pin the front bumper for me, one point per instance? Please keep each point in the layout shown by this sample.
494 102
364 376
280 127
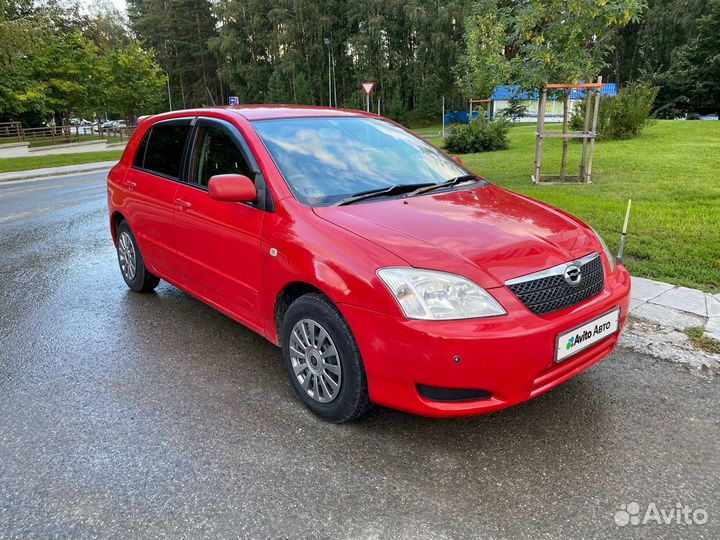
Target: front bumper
511 357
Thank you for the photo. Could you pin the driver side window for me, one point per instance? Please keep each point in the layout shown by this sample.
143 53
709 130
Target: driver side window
216 153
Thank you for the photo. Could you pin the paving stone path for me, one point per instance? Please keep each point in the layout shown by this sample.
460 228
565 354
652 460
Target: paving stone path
677 307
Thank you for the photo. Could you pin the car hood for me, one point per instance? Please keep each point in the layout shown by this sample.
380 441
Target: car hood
501 234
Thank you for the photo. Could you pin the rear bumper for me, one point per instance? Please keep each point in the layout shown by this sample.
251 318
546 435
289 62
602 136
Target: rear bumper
511 357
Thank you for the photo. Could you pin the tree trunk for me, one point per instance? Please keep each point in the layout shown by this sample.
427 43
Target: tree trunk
202 59
564 163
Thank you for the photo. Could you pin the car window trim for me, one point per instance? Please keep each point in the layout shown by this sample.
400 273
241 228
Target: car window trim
264 199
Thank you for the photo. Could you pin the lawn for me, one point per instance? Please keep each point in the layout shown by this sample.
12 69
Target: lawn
38 162
672 173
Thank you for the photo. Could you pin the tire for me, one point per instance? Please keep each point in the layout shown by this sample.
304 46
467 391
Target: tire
130 259
313 380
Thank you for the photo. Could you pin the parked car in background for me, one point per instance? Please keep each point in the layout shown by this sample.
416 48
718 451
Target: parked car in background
110 125
385 270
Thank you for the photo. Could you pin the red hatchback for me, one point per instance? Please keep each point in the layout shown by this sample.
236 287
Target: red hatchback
386 271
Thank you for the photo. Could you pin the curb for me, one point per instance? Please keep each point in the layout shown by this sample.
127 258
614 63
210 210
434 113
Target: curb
667 344
35 174
660 313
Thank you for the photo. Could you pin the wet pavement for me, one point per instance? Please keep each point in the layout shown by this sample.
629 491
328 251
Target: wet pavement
152 416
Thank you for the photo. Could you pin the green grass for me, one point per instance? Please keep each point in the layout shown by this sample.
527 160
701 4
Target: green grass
38 162
672 173
697 337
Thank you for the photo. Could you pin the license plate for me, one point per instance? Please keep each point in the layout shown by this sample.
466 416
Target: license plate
587 334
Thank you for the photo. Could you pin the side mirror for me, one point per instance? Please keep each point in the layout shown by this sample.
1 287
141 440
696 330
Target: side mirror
457 160
232 188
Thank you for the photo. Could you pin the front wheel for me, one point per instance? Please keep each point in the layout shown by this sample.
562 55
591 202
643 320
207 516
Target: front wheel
323 360
132 265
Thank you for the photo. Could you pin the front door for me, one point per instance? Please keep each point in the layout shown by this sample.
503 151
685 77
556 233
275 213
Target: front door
219 241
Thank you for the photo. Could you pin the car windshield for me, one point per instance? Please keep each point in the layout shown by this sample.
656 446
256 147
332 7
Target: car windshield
327 160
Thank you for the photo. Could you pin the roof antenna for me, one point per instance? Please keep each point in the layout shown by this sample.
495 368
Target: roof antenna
209 94
624 232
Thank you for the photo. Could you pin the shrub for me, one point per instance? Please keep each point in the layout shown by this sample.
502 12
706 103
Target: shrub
620 117
515 110
478 136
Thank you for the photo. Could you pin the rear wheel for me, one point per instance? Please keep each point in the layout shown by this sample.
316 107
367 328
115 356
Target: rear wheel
323 360
132 266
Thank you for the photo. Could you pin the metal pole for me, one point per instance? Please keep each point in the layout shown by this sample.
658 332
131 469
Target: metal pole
378 109
329 77
443 116
327 42
167 80
334 81
367 103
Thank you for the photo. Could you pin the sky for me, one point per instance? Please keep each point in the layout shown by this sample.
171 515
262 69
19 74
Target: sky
119 4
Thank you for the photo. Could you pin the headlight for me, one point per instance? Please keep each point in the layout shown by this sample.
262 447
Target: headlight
431 295
610 256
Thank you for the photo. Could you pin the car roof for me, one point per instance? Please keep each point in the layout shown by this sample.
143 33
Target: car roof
272 112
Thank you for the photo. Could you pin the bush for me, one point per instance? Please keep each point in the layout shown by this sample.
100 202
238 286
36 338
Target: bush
515 110
620 117
478 136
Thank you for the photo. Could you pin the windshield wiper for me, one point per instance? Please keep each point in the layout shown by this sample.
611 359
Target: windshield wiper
447 183
395 189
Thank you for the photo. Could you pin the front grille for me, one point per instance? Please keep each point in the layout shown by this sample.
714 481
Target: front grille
547 291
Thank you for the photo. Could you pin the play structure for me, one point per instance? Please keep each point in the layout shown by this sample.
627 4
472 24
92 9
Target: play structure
489 110
588 134
461 117
464 117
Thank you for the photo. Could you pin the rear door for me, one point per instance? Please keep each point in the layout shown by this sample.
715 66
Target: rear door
219 241
151 185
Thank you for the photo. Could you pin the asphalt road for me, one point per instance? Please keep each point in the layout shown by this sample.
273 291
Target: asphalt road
152 416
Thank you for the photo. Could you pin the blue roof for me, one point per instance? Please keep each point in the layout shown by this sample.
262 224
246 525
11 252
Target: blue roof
510 91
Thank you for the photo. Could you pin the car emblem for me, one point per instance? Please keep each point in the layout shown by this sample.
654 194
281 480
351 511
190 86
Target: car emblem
572 275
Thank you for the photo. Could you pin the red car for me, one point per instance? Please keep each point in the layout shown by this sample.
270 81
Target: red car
386 271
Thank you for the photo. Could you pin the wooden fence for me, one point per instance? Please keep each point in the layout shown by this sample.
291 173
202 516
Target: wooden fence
49 135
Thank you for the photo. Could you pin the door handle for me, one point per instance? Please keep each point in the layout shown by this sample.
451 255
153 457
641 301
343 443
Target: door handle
182 203
130 184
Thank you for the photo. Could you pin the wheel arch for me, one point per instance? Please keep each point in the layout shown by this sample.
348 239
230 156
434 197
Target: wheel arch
285 297
115 219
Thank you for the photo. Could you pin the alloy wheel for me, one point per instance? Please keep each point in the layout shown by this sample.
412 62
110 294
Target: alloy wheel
126 255
315 361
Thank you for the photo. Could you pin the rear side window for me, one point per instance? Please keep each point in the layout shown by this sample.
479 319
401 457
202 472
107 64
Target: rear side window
140 154
163 149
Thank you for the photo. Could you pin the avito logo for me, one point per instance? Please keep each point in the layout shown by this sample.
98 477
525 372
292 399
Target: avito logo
587 334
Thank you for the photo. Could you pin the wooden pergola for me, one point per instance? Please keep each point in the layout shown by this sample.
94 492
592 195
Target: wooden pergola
592 94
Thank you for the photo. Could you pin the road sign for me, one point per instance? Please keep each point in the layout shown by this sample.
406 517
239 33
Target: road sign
368 87
233 100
